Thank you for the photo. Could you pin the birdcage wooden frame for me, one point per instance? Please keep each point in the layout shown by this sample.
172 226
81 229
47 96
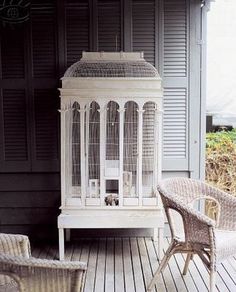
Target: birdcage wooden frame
111 145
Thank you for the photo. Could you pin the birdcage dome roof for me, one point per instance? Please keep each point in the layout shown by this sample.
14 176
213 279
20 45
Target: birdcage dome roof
111 65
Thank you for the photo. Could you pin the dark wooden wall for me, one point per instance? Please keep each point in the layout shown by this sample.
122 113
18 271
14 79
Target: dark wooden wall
34 56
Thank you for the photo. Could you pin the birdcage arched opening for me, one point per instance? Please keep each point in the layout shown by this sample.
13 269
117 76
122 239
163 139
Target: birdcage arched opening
112 159
130 152
93 150
149 149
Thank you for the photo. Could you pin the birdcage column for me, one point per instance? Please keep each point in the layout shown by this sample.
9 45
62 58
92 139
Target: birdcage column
102 111
121 150
82 155
140 155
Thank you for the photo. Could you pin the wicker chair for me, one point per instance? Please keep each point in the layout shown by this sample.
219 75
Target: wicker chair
21 272
212 240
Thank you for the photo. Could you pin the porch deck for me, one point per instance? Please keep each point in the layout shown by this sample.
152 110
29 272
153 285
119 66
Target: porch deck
127 265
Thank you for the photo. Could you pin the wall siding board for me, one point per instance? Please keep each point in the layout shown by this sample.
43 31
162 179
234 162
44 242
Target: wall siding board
36 232
32 215
27 199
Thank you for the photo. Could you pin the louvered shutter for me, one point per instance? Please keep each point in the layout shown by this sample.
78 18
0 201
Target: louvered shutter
12 53
77 30
175 80
109 25
175 38
14 146
14 139
46 153
175 123
44 96
143 24
43 38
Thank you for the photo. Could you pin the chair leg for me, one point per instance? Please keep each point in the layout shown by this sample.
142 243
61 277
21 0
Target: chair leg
189 257
161 267
212 281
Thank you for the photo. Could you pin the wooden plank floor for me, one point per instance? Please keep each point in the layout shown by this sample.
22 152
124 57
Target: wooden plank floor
128 264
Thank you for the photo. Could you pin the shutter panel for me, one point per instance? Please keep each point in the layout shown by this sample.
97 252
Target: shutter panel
109 25
143 15
175 38
175 80
77 30
12 49
45 100
14 131
43 39
46 130
14 139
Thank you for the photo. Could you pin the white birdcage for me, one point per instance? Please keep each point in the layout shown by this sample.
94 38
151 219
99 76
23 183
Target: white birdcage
111 105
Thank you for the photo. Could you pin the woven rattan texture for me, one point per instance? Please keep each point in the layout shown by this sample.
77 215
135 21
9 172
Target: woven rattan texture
31 274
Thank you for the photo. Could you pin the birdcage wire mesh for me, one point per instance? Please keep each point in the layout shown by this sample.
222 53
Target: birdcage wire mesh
111 69
148 148
74 141
93 147
112 131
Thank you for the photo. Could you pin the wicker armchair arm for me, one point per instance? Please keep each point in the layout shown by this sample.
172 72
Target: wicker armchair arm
15 244
44 275
200 224
42 263
193 223
175 203
199 217
227 219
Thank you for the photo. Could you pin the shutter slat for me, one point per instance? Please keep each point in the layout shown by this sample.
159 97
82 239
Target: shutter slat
175 123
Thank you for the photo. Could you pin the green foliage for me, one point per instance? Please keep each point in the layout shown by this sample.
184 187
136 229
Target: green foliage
221 160
221 140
